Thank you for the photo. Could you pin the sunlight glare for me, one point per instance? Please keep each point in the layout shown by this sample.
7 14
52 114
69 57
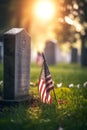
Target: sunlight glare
44 10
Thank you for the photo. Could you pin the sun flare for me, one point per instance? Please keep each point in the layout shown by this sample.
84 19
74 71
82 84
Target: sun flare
44 10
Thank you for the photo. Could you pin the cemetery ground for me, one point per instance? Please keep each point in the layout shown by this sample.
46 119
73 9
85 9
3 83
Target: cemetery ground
70 81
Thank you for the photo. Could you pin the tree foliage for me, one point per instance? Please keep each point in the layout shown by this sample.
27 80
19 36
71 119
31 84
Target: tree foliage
4 14
76 10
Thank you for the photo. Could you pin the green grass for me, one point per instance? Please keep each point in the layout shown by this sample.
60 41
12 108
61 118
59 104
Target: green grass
71 114
65 73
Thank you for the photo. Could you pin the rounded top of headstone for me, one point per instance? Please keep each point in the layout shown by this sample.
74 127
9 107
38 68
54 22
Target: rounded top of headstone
14 31
53 41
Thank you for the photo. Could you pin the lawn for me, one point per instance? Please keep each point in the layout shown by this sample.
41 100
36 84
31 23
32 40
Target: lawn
71 111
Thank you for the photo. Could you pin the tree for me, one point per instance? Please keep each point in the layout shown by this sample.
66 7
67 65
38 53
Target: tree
79 12
82 15
4 15
75 15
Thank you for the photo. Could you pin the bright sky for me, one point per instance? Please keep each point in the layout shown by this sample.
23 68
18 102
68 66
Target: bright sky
42 27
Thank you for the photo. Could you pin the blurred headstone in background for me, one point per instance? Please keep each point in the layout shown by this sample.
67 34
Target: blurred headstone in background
74 55
52 52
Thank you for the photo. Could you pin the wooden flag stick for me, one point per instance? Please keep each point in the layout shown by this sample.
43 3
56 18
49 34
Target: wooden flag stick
55 96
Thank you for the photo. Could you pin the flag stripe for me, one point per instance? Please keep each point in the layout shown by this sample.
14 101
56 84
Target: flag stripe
50 85
44 96
50 88
40 84
48 77
41 87
43 91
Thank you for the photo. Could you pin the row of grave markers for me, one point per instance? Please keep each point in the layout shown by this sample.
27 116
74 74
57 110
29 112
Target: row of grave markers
53 54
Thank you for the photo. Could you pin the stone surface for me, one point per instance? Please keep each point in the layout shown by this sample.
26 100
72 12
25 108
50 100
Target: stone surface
51 52
16 64
74 55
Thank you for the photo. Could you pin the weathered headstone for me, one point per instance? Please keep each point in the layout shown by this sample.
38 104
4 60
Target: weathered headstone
16 64
74 55
51 52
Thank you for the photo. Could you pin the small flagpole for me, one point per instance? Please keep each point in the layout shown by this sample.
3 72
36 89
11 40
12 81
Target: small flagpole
55 96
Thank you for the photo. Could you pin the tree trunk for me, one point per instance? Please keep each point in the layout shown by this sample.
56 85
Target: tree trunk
84 51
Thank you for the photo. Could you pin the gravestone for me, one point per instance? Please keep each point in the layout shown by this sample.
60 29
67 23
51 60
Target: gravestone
16 64
52 53
84 51
74 55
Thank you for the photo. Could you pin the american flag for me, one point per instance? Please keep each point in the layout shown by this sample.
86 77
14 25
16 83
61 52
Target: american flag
45 83
39 59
